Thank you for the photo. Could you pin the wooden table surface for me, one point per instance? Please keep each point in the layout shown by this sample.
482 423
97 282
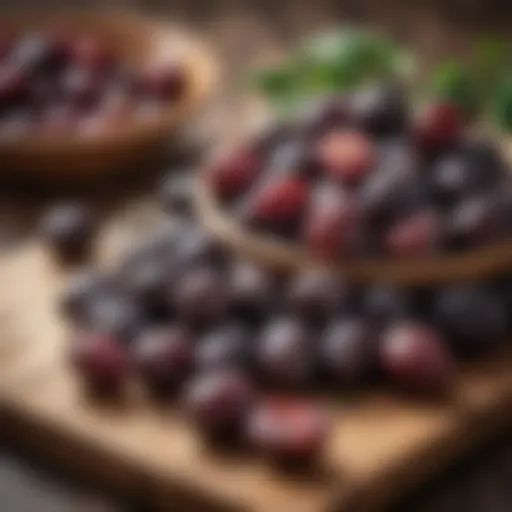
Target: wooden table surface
245 33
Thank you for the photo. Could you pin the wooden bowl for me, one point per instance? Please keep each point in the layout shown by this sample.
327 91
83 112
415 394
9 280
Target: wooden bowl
443 268
138 41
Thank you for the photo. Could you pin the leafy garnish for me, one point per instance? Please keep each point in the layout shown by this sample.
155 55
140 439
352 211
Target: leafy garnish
502 104
340 60
452 81
344 60
481 86
492 58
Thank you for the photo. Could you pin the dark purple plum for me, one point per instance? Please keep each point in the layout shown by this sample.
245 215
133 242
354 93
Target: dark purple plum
396 187
324 115
14 85
453 179
474 167
284 355
333 224
487 161
349 351
116 315
69 230
473 318
316 295
199 247
6 43
439 127
81 290
278 203
163 358
218 402
228 346
293 158
38 52
288 431
100 361
253 291
90 52
416 357
386 303
475 221
417 235
381 111
200 297
170 234
82 87
148 284
504 206
16 123
233 172
158 248
70 83
270 133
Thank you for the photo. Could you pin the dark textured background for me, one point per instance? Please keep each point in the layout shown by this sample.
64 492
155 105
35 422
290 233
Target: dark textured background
243 33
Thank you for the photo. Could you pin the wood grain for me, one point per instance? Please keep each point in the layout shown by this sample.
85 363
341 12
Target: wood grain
382 443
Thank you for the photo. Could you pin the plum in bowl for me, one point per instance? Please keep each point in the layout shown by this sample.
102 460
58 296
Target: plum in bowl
88 93
364 186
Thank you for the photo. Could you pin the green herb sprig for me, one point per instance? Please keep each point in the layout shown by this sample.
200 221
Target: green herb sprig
481 86
340 60
345 59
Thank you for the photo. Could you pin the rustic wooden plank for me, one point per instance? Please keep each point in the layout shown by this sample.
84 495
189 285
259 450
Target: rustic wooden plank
382 444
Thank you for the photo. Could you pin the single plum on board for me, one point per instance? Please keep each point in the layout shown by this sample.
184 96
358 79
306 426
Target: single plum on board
69 230
289 431
217 403
163 358
415 356
101 361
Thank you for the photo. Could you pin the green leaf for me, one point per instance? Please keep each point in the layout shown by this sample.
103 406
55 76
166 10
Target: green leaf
502 104
278 81
491 54
329 62
491 63
452 81
346 59
340 60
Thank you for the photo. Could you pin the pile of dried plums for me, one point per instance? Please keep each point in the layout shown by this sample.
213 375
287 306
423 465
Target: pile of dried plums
63 83
361 176
242 348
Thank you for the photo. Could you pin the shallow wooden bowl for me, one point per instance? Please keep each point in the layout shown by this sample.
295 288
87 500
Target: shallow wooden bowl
137 40
443 268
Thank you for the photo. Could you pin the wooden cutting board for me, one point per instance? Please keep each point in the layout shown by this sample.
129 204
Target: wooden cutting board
382 443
